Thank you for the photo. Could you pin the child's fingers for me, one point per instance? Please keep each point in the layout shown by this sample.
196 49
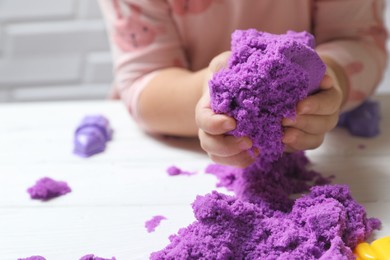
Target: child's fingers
210 122
325 102
299 140
326 82
312 124
223 145
220 61
215 124
240 160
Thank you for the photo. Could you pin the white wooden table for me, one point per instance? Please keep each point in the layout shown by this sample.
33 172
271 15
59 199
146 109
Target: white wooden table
115 192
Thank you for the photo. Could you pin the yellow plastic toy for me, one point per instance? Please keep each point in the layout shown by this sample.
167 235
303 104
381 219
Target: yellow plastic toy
378 250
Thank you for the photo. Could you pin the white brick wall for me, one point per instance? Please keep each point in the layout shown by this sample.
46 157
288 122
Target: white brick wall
57 49
30 10
53 50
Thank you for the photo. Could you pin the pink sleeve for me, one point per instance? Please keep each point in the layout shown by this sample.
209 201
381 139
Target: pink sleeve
352 33
143 40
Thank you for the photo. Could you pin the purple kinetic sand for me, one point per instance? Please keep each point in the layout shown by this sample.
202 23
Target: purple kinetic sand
266 76
92 135
173 170
273 186
35 257
153 223
47 188
263 222
93 257
362 121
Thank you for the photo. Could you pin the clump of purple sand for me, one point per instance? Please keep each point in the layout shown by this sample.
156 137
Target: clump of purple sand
266 76
35 257
153 223
47 188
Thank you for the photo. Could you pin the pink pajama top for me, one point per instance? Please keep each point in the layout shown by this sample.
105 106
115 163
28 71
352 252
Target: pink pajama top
149 35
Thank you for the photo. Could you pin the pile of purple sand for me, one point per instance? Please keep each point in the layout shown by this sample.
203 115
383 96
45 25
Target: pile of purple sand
263 222
266 77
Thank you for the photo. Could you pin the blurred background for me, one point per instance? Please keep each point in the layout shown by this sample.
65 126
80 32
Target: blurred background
53 50
58 50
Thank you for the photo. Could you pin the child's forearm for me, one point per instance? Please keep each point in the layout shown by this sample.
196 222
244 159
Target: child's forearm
167 104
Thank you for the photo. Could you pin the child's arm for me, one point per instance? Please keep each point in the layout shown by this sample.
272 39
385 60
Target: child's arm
352 36
167 103
351 41
150 67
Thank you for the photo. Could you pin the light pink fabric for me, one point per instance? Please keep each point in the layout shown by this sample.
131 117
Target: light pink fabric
148 35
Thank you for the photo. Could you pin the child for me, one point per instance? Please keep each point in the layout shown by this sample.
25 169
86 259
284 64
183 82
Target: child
165 51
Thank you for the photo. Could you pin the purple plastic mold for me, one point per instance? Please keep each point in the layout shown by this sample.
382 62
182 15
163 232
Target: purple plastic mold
92 135
363 121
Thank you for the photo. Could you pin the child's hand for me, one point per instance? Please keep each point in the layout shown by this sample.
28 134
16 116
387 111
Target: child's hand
316 115
222 148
